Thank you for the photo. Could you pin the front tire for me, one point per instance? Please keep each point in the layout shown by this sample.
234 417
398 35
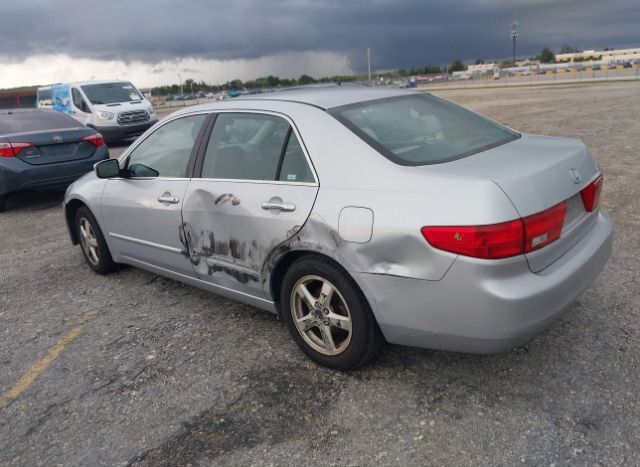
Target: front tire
3 202
327 314
94 248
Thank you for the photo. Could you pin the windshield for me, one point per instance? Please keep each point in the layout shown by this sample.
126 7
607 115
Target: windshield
422 129
110 93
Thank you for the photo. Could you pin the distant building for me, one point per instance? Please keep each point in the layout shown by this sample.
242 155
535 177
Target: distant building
482 69
607 56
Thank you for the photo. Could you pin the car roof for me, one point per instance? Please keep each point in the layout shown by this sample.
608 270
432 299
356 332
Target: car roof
327 97
83 83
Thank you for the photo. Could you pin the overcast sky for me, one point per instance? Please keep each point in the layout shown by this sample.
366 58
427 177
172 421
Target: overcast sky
150 42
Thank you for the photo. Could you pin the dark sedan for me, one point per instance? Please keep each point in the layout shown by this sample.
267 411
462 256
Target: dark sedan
43 149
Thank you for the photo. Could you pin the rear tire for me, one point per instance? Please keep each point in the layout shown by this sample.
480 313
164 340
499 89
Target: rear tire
3 202
94 248
328 315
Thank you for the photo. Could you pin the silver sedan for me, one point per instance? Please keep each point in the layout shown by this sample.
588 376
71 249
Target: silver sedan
360 215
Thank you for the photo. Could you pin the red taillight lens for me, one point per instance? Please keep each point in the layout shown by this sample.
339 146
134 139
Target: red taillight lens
6 150
12 149
482 241
591 194
97 139
543 228
503 240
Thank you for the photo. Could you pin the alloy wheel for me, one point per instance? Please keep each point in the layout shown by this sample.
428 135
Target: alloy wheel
321 315
89 241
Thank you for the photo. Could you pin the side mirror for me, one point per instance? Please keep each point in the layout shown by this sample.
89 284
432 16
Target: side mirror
107 169
85 107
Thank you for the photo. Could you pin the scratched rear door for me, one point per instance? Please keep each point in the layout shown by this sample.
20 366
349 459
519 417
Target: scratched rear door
253 189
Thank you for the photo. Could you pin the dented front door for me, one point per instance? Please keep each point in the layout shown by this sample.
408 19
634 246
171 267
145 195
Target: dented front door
231 226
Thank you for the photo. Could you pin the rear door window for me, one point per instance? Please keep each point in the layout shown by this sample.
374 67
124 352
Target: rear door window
167 150
253 146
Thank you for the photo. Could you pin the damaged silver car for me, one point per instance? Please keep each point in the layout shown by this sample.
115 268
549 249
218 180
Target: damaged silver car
360 215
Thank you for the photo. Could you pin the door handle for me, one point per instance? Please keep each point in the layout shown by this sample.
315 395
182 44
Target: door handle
168 198
279 206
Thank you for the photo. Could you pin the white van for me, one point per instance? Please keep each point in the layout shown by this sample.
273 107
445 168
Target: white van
114 108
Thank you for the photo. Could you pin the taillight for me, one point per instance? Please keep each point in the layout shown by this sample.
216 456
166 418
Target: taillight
12 149
543 228
6 150
480 241
97 139
502 240
591 194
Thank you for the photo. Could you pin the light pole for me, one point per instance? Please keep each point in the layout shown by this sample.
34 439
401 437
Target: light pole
514 37
181 91
369 64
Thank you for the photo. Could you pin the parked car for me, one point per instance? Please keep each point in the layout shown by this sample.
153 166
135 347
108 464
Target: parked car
359 214
43 149
116 109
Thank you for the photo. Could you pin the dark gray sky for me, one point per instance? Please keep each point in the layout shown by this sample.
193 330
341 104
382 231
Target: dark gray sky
402 33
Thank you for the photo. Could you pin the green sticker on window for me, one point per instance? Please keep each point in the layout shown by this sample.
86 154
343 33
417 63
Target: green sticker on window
291 176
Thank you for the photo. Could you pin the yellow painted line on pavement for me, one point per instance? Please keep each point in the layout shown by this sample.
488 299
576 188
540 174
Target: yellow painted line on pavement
26 379
30 376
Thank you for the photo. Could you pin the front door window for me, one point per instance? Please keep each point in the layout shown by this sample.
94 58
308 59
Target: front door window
166 152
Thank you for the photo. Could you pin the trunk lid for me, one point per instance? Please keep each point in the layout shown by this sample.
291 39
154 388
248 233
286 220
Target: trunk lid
52 146
536 173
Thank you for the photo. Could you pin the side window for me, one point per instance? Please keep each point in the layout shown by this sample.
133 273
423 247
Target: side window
166 151
245 146
77 100
294 165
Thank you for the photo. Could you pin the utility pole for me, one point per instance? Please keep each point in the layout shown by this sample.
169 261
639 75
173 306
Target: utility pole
369 64
181 91
514 37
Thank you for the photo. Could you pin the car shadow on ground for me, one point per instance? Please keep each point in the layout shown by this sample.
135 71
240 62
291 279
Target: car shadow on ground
35 200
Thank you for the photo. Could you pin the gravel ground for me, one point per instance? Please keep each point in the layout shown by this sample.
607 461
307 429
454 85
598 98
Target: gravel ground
150 372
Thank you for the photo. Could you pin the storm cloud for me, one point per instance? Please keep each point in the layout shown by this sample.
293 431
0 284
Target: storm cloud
401 33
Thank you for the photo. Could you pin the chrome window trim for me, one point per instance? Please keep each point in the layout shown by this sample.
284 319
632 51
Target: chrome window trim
264 182
293 126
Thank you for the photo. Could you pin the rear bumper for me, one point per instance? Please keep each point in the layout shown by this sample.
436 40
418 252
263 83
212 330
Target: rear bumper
118 133
481 306
16 175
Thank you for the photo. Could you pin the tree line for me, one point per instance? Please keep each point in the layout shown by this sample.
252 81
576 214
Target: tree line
546 55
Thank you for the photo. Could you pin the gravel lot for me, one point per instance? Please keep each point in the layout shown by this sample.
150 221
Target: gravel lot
150 372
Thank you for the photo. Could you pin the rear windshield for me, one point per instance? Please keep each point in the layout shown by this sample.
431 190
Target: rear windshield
422 129
110 93
18 121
